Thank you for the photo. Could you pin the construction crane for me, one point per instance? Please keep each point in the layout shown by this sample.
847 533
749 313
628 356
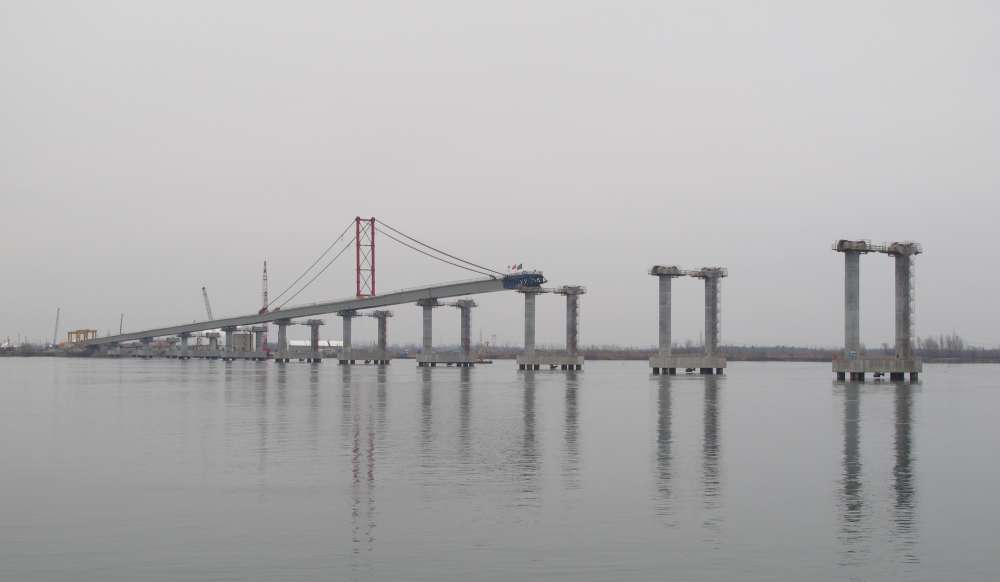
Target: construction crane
208 306
263 299
55 332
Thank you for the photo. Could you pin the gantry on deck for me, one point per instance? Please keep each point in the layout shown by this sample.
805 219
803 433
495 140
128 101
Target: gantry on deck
709 362
853 363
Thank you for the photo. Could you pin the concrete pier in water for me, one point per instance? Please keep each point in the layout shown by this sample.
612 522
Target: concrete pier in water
709 362
570 359
853 364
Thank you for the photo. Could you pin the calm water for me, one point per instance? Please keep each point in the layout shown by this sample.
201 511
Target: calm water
165 470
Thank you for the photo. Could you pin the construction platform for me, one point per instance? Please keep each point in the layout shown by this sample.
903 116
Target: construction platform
459 359
855 369
705 364
537 361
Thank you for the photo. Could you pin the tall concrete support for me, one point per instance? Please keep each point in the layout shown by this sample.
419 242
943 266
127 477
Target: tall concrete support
713 306
230 342
427 350
147 348
572 294
315 356
465 306
852 303
903 254
665 341
213 344
259 343
281 354
347 317
184 348
382 350
529 317
710 362
852 364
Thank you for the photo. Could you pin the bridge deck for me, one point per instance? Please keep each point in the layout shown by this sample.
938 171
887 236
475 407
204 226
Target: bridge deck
472 287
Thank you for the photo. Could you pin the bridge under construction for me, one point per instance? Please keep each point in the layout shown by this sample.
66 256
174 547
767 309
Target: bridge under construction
365 303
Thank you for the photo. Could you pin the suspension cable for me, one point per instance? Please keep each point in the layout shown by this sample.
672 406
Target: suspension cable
437 250
423 252
316 262
321 271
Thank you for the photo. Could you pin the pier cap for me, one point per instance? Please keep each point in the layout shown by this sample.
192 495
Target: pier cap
710 273
666 271
861 246
571 290
380 313
905 248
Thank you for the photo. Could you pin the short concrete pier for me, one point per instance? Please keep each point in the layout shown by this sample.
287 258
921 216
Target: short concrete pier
710 362
853 364
532 359
426 358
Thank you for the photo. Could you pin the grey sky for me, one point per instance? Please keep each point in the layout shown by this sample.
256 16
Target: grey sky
149 149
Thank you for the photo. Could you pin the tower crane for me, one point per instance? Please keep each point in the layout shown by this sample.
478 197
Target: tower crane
208 306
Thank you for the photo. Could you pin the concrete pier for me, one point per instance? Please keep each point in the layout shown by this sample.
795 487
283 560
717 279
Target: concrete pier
853 364
710 362
184 349
426 356
230 347
381 354
281 353
463 358
570 359
346 350
213 344
903 254
314 356
259 338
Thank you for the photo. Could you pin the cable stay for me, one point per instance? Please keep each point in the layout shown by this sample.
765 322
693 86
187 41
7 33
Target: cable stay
314 263
467 265
349 244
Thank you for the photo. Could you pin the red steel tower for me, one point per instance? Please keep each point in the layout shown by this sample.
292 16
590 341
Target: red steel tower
364 247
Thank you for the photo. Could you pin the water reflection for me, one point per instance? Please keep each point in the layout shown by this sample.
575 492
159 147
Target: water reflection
853 534
664 442
260 402
529 465
426 418
903 483
855 529
357 409
464 412
571 429
313 410
710 479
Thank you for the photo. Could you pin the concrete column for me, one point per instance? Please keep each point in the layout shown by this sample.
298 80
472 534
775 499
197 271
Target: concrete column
572 322
314 339
665 340
230 347
147 349
428 325
346 319
282 339
213 342
184 348
712 323
382 317
466 305
852 303
258 338
904 306
529 323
